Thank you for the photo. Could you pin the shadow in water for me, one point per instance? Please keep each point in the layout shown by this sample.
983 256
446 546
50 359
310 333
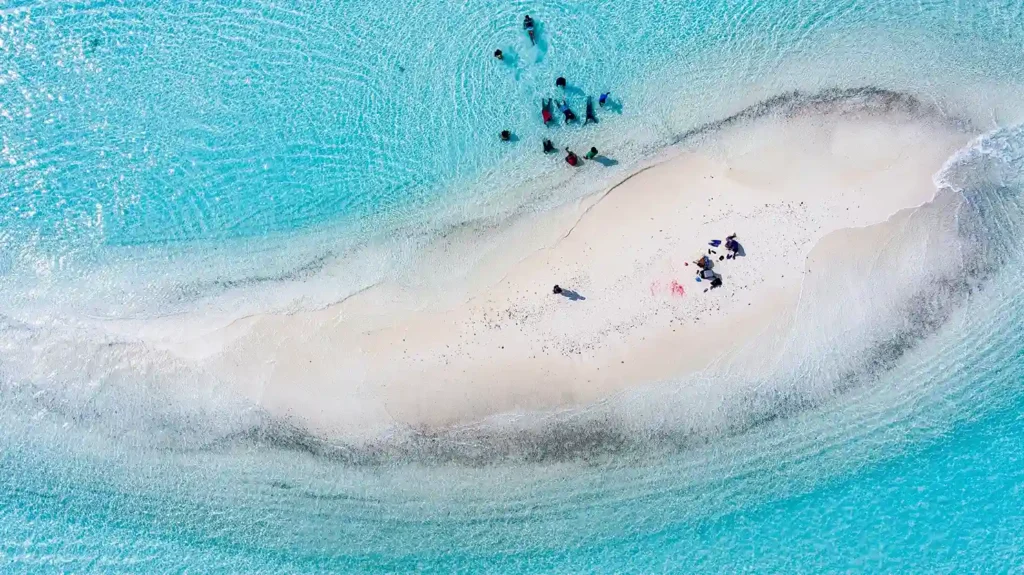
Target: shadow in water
539 43
606 162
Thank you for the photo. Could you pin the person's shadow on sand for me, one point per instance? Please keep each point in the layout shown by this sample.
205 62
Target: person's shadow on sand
573 296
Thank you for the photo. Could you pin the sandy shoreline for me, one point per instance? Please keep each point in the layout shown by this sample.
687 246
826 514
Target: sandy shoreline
501 342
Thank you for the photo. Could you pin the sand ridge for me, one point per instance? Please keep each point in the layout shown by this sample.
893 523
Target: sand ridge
782 183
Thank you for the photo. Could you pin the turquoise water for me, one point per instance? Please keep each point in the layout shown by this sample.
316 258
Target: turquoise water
160 158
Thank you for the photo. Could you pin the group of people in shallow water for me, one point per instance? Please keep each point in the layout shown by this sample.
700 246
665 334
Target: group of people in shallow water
548 104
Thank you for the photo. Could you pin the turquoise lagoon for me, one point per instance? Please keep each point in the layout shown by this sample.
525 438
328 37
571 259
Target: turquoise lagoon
163 158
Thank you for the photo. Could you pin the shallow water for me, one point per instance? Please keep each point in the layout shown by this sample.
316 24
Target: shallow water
161 158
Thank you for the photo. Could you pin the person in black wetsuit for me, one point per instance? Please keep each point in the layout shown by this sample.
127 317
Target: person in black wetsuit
528 26
569 115
549 147
590 112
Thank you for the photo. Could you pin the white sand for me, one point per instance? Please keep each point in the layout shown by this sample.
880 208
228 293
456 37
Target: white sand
502 342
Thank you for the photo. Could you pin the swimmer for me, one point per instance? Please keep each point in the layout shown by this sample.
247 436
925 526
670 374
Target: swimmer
528 26
569 115
590 112
572 159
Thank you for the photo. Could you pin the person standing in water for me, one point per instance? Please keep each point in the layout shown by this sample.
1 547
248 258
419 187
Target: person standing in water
549 146
528 26
506 135
603 98
560 82
499 55
591 154
545 111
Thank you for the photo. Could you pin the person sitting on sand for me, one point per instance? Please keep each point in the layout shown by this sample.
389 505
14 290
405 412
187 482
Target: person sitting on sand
603 98
590 112
560 82
732 245
528 26
549 146
572 159
704 262
591 154
506 135
569 115
499 55
545 111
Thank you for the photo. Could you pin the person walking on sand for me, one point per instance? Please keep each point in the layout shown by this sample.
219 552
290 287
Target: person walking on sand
556 290
571 158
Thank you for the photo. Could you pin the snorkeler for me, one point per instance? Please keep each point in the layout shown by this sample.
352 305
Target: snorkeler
528 26
569 115
545 110
549 147
590 112
572 159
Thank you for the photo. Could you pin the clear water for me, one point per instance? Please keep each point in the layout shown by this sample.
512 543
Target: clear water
167 157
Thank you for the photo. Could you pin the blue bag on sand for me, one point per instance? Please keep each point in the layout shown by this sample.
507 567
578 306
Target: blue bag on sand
715 243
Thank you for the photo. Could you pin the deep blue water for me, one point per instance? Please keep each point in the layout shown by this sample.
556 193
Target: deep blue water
167 157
